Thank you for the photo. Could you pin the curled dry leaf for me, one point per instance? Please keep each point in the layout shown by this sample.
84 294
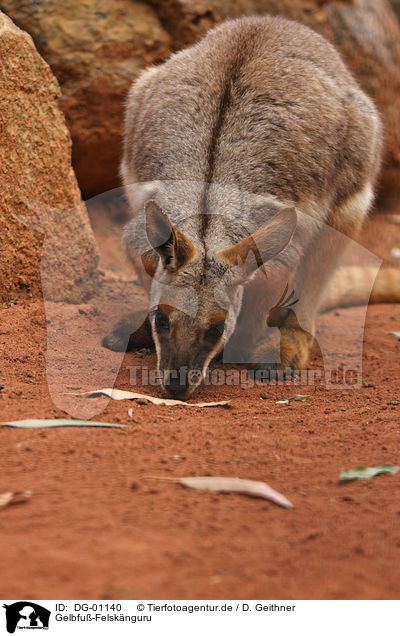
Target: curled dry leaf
9 498
232 485
394 333
118 394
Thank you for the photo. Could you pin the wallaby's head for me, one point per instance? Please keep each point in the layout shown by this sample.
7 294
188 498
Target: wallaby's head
196 295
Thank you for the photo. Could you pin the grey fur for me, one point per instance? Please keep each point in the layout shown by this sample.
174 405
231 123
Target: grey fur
259 116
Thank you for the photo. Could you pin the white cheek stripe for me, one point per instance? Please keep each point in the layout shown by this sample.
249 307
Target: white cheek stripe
210 357
157 344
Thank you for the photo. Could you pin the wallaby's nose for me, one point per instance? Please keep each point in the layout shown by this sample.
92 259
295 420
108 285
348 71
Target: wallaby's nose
176 385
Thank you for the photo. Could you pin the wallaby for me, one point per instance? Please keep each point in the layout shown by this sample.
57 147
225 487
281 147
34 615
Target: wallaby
248 158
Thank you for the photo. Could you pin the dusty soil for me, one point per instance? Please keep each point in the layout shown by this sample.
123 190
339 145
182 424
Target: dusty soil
98 527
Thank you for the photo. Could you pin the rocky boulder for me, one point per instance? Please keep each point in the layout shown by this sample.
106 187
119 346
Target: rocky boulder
36 176
96 49
367 33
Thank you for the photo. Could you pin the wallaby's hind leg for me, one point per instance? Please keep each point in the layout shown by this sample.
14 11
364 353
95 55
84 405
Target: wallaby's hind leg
130 333
296 323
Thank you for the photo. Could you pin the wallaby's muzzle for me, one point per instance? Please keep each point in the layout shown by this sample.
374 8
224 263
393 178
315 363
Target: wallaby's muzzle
176 382
181 382
185 347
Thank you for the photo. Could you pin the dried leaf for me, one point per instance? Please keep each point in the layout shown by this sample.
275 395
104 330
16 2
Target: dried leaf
394 333
366 472
51 423
9 498
118 394
232 485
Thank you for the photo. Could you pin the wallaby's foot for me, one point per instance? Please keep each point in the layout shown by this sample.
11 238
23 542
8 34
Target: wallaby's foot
130 333
288 351
295 347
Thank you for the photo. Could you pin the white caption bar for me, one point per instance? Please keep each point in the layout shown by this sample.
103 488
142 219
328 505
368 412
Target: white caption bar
182 617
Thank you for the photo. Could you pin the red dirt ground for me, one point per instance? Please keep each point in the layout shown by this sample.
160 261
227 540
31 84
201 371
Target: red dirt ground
97 527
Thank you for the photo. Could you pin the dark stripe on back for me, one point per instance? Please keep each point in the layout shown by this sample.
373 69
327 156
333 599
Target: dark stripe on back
224 104
223 107
226 101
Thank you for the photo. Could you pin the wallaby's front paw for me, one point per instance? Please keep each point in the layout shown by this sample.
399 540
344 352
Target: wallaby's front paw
116 340
287 350
295 348
130 333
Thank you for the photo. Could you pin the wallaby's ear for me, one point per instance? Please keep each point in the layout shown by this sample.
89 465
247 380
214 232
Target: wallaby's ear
174 248
258 248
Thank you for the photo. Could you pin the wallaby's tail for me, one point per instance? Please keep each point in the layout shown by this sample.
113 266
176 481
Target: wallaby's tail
352 286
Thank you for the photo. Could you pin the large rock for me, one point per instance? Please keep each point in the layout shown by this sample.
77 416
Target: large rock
36 175
95 48
367 33
188 20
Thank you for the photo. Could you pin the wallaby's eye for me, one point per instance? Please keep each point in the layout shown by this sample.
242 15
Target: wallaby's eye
216 330
161 319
